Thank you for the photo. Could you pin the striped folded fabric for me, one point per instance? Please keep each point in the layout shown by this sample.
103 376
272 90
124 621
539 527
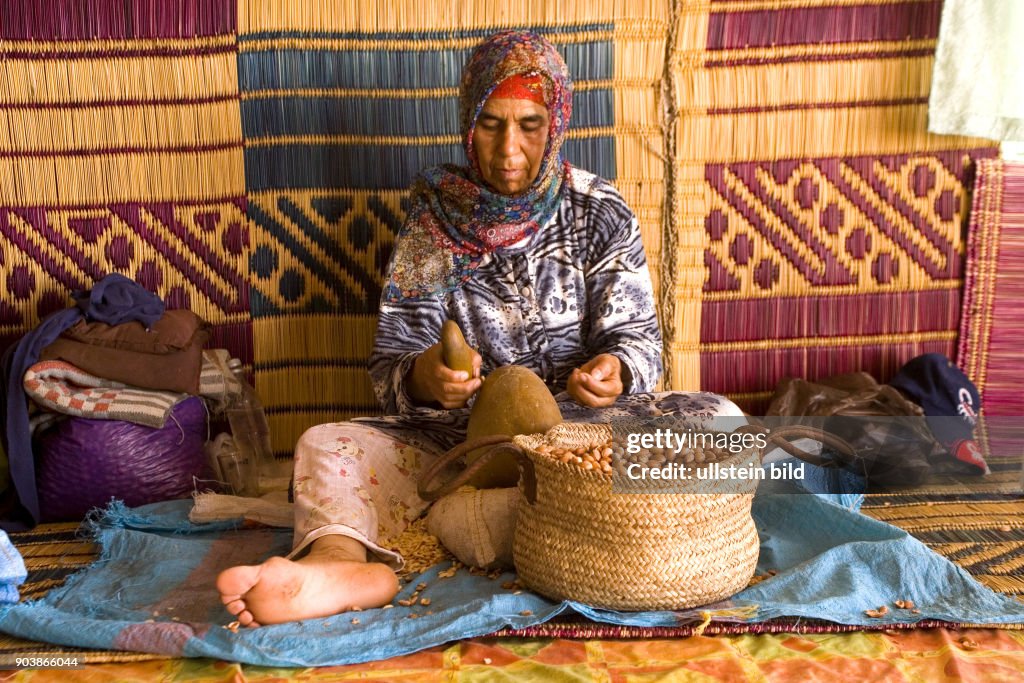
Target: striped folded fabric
61 387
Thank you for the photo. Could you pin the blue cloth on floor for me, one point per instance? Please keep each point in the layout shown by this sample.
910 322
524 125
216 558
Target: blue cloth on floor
849 487
152 590
12 571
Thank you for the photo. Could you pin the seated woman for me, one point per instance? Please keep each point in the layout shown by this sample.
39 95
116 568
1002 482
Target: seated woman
541 265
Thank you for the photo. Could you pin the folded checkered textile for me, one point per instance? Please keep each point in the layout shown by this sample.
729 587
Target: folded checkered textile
61 387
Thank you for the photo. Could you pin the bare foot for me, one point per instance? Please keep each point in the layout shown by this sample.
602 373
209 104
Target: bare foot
317 585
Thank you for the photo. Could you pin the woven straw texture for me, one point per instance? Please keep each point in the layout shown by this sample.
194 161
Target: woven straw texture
342 103
990 327
818 225
249 160
122 151
581 541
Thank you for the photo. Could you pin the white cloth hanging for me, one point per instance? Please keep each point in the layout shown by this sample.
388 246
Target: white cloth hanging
978 79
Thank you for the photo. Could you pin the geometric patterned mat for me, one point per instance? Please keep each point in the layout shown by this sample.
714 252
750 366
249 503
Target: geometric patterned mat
821 227
977 524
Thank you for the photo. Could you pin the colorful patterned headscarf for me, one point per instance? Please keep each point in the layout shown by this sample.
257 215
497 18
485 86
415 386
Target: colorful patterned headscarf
455 218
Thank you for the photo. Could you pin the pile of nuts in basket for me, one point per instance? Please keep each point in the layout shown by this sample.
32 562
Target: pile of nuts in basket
613 455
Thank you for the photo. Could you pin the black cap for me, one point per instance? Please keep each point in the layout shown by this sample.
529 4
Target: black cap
950 401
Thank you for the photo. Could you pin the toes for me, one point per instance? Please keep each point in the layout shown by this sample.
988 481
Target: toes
239 580
228 599
235 606
245 618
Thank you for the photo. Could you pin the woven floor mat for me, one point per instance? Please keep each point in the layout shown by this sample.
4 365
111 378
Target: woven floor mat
975 522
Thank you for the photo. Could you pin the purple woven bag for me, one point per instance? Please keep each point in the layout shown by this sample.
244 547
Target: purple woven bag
83 463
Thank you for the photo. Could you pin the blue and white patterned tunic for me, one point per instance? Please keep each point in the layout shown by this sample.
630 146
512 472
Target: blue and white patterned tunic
578 288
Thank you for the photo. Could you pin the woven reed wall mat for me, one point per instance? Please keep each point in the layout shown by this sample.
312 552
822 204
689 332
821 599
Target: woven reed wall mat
990 327
819 224
342 103
122 152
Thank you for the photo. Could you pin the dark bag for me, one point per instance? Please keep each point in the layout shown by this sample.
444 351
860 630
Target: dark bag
893 444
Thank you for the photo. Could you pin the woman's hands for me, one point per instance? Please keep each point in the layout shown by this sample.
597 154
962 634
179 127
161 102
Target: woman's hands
598 383
430 380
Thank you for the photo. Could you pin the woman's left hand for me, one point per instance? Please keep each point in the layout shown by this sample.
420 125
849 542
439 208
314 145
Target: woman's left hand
598 383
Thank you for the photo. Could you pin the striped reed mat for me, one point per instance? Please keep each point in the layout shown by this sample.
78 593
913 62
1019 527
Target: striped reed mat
249 160
122 152
990 328
975 524
827 220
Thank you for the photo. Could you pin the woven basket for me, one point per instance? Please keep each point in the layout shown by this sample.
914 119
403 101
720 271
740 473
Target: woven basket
82 463
577 539
581 541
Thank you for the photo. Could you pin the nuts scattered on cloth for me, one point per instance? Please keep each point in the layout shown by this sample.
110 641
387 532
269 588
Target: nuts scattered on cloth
420 549
450 572
899 604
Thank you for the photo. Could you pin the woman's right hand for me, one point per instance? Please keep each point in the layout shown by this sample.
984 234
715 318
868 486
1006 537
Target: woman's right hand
432 381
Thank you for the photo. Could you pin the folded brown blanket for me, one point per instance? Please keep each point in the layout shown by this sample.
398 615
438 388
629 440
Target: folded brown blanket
165 357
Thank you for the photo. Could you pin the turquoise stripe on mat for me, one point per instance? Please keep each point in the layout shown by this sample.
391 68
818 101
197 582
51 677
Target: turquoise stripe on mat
374 167
347 115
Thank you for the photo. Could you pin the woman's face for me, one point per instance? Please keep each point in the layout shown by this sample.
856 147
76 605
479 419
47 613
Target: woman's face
509 141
